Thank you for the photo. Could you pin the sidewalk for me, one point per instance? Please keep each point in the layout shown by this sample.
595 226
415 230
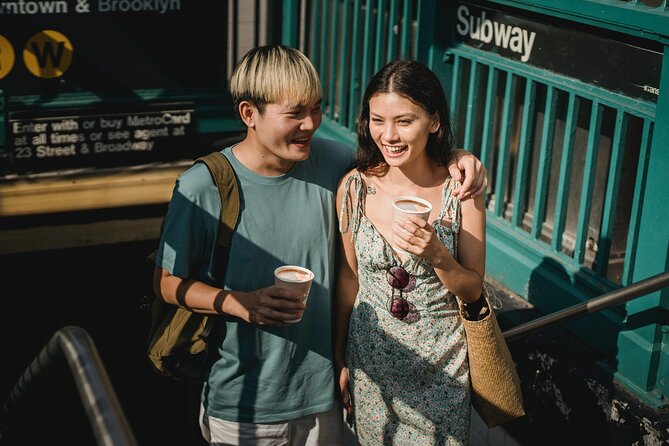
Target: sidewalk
482 435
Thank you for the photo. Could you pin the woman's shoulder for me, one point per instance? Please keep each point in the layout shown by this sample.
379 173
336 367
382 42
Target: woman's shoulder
351 182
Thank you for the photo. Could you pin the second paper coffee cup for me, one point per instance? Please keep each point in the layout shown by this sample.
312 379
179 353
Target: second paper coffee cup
295 278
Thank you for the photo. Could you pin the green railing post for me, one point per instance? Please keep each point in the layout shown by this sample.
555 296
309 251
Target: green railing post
643 359
427 11
290 24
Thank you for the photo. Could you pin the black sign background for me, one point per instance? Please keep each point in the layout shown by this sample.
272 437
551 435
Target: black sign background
66 140
125 50
605 62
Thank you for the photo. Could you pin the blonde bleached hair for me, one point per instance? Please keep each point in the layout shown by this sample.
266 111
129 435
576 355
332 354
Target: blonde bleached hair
274 73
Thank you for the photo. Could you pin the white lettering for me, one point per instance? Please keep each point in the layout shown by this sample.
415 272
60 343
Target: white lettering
502 35
528 43
65 138
65 124
110 123
463 11
138 146
516 42
486 29
161 6
34 7
30 127
49 151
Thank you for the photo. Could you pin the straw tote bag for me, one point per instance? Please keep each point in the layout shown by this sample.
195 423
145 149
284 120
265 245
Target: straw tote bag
495 384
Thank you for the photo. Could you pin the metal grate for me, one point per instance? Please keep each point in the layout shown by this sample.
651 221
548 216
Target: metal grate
556 148
351 40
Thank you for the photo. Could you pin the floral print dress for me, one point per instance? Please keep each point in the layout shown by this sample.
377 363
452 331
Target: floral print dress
409 379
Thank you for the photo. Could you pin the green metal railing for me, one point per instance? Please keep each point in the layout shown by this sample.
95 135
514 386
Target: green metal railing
351 40
524 102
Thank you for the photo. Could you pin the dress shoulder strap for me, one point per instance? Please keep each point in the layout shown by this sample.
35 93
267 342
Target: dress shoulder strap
450 204
353 204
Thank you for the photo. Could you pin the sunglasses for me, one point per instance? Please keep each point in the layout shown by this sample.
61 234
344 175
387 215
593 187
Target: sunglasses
401 281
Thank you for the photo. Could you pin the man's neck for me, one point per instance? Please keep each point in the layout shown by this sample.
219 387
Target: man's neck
258 160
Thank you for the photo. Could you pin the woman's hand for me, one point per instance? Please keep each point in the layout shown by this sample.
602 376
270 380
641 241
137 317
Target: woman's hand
343 390
418 237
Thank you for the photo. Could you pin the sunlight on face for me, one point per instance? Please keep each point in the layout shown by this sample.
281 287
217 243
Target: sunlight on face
400 128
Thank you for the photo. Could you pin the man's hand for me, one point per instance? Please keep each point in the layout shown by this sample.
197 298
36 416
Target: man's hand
343 390
271 306
475 178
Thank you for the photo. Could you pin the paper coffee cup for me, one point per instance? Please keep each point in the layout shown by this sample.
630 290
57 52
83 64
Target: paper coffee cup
295 278
406 205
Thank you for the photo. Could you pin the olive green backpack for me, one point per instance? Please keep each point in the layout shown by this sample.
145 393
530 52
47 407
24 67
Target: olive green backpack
177 343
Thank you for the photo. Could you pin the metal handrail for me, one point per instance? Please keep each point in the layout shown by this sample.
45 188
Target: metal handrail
607 300
104 412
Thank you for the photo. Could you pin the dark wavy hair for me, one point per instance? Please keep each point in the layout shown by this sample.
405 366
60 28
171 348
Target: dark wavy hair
420 85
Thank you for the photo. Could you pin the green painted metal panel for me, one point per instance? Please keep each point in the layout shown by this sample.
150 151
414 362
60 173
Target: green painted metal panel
314 53
611 196
518 259
290 22
637 202
344 64
332 130
611 99
324 59
501 176
356 87
652 255
334 50
614 15
405 42
391 49
379 40
565 172
488 116
367 45
425 31
637 353
544 165
455 88
585 203
524 148
472 101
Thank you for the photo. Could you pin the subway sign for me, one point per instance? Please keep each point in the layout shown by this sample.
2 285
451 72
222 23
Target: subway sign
130 58
610 61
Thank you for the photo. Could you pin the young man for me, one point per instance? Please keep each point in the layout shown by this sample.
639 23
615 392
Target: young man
274 380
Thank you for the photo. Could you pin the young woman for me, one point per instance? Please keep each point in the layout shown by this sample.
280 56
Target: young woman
399 342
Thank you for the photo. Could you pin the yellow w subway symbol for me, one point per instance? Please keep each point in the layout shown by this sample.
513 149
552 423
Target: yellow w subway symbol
48 54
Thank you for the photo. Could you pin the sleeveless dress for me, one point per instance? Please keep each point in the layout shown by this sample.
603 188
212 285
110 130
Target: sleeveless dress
409 379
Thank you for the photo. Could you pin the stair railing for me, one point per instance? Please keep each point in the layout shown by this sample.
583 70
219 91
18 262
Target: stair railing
599 303
103 409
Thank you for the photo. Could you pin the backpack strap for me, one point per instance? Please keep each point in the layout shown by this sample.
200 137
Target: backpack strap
224 176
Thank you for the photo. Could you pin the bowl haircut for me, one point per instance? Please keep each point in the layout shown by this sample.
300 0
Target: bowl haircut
272 74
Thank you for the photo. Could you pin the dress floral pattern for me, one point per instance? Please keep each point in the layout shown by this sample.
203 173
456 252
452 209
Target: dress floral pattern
409 382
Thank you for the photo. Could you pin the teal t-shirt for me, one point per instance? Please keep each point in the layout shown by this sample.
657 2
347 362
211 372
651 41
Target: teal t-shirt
265 375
